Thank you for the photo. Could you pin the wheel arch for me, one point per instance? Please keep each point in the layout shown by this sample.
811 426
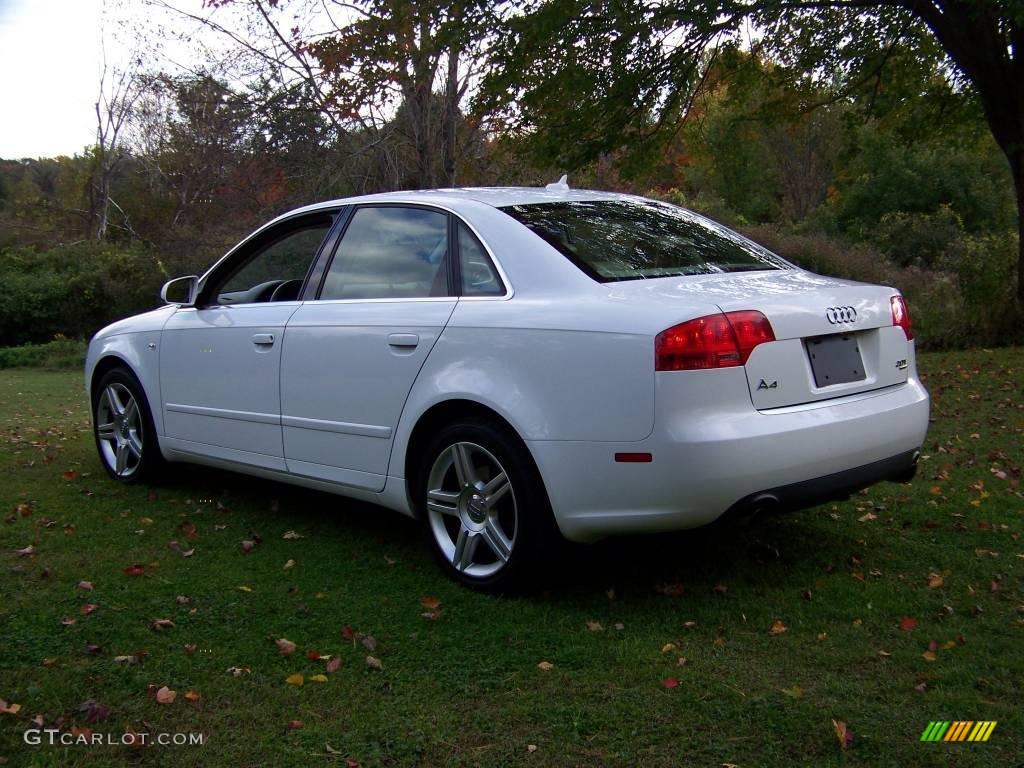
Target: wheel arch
446 412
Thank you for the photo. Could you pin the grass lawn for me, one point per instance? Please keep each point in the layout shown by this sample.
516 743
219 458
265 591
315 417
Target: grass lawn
900 606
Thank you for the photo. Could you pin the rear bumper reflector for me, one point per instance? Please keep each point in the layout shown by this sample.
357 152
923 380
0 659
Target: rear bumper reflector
634 458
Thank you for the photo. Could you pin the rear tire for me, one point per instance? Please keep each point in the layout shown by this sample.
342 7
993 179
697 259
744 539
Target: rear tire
483 507
124 430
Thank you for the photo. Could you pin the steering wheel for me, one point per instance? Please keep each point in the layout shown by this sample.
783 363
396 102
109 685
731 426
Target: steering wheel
286 291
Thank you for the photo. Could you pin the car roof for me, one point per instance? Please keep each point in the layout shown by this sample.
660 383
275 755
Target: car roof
496 197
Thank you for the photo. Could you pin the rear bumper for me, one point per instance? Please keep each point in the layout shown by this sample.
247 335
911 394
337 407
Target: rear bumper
713 453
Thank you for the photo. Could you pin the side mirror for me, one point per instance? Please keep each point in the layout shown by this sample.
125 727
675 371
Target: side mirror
180 290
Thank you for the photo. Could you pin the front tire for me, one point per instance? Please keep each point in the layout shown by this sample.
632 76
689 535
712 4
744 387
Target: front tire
123 428
484 508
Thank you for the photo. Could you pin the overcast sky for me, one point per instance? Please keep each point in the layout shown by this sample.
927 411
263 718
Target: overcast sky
50 62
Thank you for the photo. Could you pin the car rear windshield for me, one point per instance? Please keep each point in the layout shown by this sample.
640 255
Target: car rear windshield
614 240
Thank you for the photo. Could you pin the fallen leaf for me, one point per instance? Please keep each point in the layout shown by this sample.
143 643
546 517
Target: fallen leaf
27 551
192 696
670 590
333 664
243 588
430 603
85 585
531 748
93 710
165 695
777 628
908 623
884 654
720 588
843 733
934 580
921 687
288 564
248 546
374 663
545 666
70 475
161 624
183 600
9 709
867 518
929 656
796 692
285 646
295 679
294 725
292 535
610 594
189 531
668 647
669 682
369 642
318 678
347 633
594 626
49 662
619 626
88 608
137 569
176 547
313 655
822 636
25 510
239 671
806 595
189 647
134 658
93 649
949 645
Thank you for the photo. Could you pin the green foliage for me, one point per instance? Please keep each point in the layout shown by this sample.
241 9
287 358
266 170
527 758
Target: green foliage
72 290
58 354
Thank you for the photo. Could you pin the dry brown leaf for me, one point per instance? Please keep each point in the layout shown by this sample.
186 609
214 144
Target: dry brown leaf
317 678
294 725
292 535
161 624
668 647
288 564
85 585
843 733
374 663
594 626
934 580
296 679
908 623
333 664
248 546
26 551
192 696
545 666
929 656
430 603
88 608
777 628
285 646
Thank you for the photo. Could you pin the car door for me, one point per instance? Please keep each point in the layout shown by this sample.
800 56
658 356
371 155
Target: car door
351 356
220 360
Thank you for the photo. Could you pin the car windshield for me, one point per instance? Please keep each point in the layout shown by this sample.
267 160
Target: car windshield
627 239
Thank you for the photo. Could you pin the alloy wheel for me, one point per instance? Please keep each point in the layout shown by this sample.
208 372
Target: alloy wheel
119 430
471 509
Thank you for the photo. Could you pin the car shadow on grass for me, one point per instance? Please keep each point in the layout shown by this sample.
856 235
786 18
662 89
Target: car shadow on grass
774 551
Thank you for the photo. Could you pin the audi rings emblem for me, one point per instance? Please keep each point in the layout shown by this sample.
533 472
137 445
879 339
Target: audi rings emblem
837 315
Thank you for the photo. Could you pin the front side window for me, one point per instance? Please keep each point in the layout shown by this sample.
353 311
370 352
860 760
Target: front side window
390 252
278 265
614 240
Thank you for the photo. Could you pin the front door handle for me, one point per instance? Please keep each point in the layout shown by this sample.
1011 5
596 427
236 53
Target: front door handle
263 339
403 339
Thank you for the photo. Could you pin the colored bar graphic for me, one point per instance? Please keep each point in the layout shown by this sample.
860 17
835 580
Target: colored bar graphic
958 730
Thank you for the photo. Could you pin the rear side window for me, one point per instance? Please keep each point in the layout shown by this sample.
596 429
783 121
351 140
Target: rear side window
479 278
615 240
388 253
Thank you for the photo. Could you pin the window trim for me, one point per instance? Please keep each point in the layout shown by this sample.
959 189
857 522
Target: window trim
243 253
454 284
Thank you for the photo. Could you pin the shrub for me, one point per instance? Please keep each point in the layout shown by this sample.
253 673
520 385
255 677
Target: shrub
60 353
73 290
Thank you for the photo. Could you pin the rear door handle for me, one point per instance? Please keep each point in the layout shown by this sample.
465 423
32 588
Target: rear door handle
403 339
263 339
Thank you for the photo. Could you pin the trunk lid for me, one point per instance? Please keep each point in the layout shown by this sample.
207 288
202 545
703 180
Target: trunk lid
833 337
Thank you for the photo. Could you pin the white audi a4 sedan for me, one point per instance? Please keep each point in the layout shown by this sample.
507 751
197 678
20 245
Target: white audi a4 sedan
515 365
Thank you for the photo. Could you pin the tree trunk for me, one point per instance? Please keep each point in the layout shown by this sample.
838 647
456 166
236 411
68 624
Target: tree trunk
451 115
1017 169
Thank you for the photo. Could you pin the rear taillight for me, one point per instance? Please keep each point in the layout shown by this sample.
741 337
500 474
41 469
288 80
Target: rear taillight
901 317
716 341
